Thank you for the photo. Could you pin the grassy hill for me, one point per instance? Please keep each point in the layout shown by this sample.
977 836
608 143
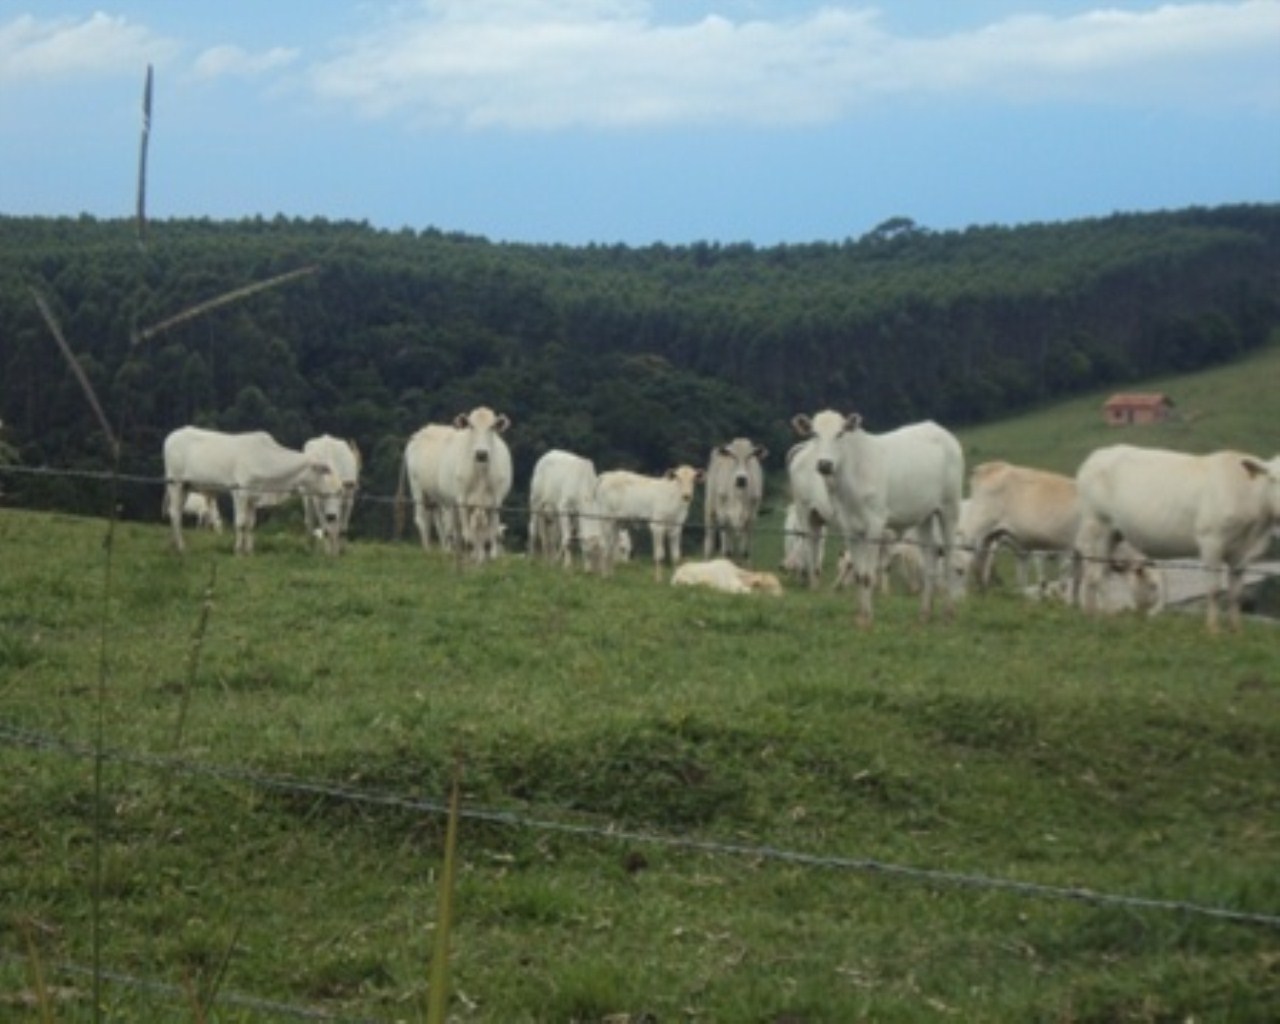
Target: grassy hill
1231 406
682 805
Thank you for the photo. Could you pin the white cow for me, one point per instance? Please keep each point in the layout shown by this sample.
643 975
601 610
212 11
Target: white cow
345 457
201 507
813 511
909 477
1220 508
1031 510
459 476
562 509
420 469
660 502
249 466
734 489
722 574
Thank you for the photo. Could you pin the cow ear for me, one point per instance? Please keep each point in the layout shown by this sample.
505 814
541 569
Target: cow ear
802 425
761 452
723 449
501 423
699 476
853 421
461 422
1255 467
670 474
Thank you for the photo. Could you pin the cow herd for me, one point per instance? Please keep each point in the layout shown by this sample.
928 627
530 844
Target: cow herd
892 499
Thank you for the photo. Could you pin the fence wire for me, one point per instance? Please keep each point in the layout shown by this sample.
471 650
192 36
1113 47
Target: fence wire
507 513
16 736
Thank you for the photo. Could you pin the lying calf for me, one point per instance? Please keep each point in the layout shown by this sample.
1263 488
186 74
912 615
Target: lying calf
722 574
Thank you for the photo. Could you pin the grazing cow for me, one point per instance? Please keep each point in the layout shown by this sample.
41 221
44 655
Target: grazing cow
1220 508
909 477
459 476
722 574
203 508
345 457
735 487
811 503
1031 510
562 508
660 502
250 466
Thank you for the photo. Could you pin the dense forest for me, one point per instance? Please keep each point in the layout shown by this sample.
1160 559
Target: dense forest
636 357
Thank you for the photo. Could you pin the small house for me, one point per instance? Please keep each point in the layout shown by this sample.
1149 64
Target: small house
1125 409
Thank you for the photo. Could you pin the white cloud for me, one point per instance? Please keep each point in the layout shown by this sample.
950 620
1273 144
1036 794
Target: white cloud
549 64
98 44
218 61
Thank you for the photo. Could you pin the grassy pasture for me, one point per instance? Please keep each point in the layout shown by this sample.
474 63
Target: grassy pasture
1023 744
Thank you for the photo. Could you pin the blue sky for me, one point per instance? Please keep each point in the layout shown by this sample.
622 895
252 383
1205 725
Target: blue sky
640 121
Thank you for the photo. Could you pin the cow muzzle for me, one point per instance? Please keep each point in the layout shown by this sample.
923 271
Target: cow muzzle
826 467
482 457
740 481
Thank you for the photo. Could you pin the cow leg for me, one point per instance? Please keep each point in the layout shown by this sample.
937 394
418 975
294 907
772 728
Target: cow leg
422 519
865 555
175 495
246 512
565 540
1235 583
658 534
812 546
1093 548
935 552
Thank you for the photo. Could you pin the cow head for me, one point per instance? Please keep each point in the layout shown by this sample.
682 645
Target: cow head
326 490
763 583
483 424
740 452
1269 474
687 478
826 428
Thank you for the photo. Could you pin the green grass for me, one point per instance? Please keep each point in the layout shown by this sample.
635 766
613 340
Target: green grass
1128 756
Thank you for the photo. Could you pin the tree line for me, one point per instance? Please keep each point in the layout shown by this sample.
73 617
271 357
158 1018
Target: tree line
638 357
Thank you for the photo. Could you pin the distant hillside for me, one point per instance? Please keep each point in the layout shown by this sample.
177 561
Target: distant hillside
1230 406
635 357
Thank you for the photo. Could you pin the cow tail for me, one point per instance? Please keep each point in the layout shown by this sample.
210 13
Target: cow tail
397 517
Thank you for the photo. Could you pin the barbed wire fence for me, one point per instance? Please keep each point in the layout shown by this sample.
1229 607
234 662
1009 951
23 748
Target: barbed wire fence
514 518
16 736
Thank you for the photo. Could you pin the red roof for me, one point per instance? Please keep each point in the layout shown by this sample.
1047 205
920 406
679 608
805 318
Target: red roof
1144 400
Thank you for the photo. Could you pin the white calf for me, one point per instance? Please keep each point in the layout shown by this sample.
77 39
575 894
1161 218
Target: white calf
660 502
722 574
203 509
